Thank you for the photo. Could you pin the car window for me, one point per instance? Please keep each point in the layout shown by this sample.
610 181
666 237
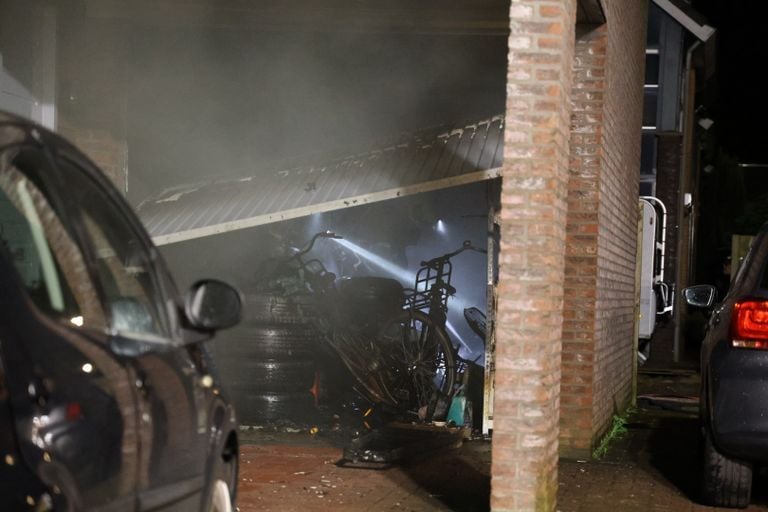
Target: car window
34 235
122 262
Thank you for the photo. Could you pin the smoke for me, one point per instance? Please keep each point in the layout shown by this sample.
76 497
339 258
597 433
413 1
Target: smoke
211 92
380 262
218 90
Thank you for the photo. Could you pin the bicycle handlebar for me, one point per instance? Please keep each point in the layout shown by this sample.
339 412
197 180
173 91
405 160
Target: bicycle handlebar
321 234
466 246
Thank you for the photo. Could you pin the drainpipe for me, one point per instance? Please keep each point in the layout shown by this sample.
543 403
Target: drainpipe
687 129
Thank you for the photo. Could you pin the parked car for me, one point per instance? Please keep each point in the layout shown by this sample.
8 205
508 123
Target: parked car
734 379
108 396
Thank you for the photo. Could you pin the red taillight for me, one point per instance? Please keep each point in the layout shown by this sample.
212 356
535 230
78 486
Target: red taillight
74 411
750 324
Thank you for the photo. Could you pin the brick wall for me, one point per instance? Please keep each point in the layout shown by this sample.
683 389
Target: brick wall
580 321
618 209
531 266
106 151
599 308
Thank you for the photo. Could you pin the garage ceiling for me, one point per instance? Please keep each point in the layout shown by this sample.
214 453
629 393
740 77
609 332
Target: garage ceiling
429 160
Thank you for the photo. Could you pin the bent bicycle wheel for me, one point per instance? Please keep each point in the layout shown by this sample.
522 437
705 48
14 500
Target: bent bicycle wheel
419 360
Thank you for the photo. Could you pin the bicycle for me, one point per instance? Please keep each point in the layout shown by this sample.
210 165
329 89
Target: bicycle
430 294
401 358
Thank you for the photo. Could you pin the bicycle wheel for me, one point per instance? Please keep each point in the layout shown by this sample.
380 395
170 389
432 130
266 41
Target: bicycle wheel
418 359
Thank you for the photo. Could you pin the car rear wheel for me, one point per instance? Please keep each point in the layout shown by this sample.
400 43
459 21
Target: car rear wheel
726 482
224 483
221 500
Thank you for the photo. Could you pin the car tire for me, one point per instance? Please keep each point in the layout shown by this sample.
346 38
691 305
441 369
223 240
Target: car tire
221 500
271 375
269 370
268 308
726 482
269 341
259 408
224 485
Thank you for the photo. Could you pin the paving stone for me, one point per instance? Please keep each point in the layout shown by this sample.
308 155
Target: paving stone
651 468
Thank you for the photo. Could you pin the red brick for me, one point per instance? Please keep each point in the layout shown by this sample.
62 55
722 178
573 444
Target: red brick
604 163
564 316
550 11
108 153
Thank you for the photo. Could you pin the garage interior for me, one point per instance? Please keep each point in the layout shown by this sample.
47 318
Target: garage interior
289 115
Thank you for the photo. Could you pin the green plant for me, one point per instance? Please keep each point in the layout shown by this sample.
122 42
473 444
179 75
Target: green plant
616 430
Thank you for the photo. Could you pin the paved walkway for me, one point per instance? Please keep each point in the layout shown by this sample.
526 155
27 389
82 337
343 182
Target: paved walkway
653 467
306 479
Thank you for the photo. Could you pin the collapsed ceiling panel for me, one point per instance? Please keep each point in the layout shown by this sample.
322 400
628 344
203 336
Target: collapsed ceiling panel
429 160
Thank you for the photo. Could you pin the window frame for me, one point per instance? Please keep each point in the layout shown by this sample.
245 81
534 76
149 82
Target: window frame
51 181
166 304
45 186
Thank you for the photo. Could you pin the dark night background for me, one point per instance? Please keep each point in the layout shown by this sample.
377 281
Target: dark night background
740 109
732 200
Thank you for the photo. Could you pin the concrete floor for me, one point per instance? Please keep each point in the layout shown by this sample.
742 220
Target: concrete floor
653 467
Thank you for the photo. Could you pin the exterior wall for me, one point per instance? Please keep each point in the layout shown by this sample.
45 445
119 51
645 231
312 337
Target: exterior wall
580 321
92 89
599 309
531 263
617 240
668 164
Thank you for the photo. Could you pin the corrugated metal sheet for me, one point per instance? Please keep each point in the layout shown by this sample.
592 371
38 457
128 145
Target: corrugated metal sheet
430 160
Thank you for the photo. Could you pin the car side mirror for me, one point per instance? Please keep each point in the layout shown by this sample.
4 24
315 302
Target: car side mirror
700 295
211 305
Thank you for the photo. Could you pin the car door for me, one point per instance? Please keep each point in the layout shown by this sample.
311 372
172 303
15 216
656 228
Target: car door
71 399
143 320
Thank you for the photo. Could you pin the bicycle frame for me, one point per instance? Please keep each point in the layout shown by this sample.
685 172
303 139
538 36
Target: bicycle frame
432 286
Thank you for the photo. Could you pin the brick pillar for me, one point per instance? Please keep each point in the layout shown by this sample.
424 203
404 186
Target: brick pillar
531 263
579 325
599 308
107 152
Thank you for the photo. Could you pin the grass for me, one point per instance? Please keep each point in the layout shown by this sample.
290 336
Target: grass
617 429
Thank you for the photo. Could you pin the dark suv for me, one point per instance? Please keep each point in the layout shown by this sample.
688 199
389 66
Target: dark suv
108 396
734 379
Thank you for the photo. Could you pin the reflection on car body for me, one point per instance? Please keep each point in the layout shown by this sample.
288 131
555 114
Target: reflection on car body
108 396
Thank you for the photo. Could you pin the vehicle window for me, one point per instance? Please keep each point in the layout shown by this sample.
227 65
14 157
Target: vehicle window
122 262
48 261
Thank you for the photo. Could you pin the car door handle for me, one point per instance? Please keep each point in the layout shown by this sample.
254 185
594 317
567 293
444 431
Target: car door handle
716 319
